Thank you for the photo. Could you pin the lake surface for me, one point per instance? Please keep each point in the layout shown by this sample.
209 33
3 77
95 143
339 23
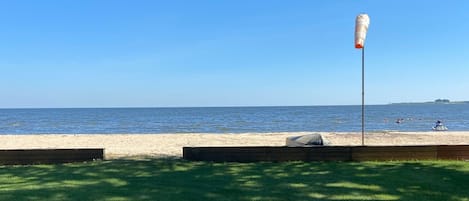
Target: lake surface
416 117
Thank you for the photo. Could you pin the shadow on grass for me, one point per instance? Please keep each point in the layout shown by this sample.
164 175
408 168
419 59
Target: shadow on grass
172 179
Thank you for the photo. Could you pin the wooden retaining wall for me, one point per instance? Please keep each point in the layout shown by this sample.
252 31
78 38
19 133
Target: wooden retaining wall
47 156
327 153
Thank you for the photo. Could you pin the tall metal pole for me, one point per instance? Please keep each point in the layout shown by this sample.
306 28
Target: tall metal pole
363 96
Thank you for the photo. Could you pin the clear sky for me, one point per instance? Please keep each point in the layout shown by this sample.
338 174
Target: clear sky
229 53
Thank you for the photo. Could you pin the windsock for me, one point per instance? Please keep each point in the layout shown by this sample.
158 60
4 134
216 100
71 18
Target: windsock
361 27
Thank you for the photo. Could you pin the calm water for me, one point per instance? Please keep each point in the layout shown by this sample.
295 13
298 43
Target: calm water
232 119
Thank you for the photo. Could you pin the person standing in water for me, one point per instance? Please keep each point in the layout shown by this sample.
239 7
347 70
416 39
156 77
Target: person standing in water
439 126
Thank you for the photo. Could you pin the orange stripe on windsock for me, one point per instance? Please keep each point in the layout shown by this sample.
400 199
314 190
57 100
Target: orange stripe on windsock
361 27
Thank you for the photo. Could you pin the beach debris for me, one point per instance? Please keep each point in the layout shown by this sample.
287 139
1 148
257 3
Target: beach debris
314 139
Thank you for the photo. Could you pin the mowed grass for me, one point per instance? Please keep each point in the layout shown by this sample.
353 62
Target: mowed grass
173 179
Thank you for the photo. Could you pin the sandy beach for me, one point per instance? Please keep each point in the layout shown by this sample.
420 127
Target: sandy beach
170 145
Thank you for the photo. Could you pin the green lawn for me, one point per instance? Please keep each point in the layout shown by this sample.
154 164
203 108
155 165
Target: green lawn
171 179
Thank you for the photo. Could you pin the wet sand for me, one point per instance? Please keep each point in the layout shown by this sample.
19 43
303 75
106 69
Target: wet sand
170 145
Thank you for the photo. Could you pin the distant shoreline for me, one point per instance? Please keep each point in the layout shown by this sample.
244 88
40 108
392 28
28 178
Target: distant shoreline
431 103
241 106
437 101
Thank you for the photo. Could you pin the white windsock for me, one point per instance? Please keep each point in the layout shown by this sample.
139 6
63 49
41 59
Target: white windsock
361 27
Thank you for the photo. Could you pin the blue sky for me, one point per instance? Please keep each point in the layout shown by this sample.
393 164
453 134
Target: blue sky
229 53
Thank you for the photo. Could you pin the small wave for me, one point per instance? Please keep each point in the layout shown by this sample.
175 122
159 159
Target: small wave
16 124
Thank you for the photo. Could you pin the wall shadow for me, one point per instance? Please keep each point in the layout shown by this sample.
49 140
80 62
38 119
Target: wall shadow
174 179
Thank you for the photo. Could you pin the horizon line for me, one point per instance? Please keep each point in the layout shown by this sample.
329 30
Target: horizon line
221 106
